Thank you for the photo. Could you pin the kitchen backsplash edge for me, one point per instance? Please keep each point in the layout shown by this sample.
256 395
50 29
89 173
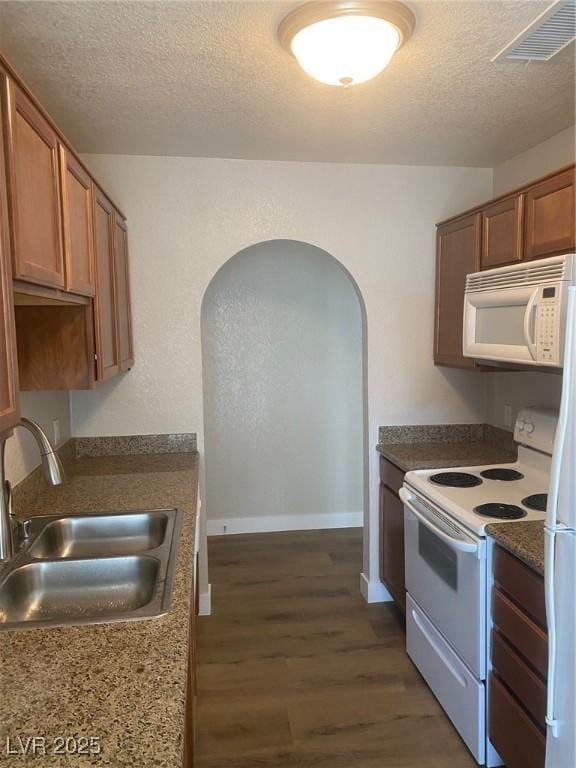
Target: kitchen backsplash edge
77 447
444 433
131 445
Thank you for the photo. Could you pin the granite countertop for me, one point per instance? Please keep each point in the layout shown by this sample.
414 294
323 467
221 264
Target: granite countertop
523 539
450 445
124 683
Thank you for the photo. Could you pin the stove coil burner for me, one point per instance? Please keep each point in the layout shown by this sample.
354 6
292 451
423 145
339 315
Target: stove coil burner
500 511
502 473
536 501
456 479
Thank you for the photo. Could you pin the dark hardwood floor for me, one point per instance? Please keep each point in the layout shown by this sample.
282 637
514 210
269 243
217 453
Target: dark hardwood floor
297 671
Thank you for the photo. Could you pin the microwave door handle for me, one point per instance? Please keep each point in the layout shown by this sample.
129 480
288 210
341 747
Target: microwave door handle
458 544
530 343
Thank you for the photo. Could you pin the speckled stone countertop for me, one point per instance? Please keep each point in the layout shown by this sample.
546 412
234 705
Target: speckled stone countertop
125 682
450 445
523 539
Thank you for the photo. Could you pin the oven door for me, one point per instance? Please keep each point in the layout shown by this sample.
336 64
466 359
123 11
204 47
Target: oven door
500 325
446 576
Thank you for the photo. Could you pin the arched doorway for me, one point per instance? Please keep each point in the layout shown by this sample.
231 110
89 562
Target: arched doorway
283 378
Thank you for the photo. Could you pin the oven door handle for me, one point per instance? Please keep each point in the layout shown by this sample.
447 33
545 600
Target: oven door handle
458 544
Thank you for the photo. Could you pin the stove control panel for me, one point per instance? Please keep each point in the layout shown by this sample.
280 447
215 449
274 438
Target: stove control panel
536 427
547 326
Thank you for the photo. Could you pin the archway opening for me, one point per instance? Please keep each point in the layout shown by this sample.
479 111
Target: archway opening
282 350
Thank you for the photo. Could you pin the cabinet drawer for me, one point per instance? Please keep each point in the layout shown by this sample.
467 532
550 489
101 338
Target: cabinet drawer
520 631
518 741
525 586
522 681
390 475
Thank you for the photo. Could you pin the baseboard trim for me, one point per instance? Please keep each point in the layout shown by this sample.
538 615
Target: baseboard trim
374 591
227 526
205 602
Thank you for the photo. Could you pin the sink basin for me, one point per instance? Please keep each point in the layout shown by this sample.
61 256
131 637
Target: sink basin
92 568
93 535
77 589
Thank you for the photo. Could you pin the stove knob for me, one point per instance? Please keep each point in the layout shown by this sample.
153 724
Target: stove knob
529 427
520 426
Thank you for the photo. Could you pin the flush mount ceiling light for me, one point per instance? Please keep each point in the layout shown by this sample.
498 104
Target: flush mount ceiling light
345 43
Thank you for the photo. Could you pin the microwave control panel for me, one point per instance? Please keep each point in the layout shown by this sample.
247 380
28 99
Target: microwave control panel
547 324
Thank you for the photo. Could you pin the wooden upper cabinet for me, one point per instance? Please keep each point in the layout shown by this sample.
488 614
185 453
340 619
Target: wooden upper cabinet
550 216
457 254
34 191
9 404
125 347
106 329
502 232
77 213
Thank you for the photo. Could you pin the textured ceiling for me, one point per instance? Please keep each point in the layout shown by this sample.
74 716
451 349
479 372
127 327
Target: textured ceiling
209 79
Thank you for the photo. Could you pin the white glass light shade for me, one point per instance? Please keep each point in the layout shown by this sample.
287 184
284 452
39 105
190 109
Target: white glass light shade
345 50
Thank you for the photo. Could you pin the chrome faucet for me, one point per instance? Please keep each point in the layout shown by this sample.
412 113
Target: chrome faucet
53 473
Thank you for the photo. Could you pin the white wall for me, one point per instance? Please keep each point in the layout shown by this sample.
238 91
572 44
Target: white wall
21 451
519 389
188 216
554 153
283 419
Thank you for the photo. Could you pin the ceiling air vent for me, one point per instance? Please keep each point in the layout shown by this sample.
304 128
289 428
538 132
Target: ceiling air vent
546 36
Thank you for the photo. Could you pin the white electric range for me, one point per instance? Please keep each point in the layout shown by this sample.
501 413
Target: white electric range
445 515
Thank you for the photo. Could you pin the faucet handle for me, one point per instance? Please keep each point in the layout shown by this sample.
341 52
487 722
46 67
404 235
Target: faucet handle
8 498
24 530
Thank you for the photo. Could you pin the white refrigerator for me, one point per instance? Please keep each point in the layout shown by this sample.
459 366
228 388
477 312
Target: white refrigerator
560 568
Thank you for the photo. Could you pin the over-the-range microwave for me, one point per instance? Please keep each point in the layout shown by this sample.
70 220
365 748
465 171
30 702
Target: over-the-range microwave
517 314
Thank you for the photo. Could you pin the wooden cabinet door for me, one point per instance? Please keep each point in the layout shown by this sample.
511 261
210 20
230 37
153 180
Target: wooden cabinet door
392 544
457 254
34 193
550 217
107 358
125 347
9 404
77 213
502 232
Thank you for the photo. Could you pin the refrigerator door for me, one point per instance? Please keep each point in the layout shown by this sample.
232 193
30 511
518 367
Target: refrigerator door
561 736
562 493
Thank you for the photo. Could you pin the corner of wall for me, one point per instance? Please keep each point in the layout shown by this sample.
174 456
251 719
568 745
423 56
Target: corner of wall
548 156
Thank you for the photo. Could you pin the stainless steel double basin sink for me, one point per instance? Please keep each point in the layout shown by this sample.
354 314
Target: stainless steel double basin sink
93 568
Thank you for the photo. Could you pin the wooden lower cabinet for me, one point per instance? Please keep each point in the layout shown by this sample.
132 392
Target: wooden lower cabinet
191 689
392 532
515 736
517 683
